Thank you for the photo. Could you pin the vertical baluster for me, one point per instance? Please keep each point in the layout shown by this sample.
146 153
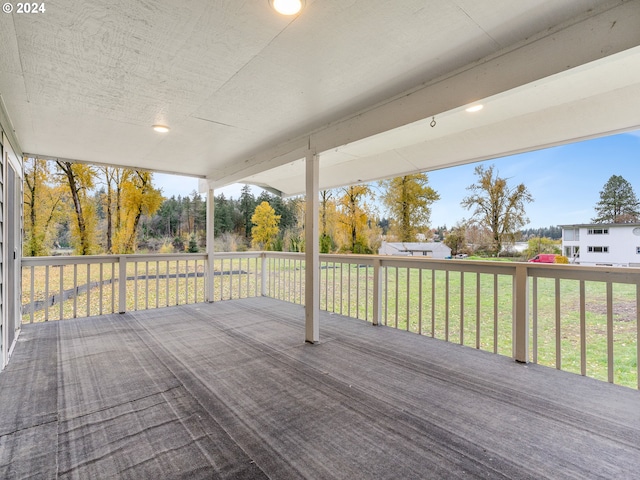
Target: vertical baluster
386 296
478 290
88 290
610 332
534 317
195 282
367 295
446 305
135 285
295 281
31 294
349 288
100 288
75 290
341 287
61 291
495 313
177 282
420 297
333 286
558 326
113 287
358 292
157 283
186 282
408 313
166 283
638 333
46 293
433 303
397 299
231 278
583 330
461 308
146 285
247 277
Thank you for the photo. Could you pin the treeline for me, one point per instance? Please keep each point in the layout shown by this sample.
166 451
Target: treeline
99 209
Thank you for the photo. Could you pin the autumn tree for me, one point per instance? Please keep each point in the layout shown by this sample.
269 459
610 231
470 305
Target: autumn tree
136 196
327 220
497 206
618 202
409 200
265 228
108 199
42 207
354 218
79 179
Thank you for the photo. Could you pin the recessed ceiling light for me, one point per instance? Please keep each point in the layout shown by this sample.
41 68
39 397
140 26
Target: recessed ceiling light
161 128
474 108
287 7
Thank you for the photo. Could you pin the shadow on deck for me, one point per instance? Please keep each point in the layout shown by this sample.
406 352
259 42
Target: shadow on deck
229 390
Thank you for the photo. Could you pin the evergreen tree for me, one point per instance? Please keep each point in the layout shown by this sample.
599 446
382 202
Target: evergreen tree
618 202
247 206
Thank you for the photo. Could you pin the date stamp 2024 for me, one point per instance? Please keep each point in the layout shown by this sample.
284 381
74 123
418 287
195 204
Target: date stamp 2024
27 7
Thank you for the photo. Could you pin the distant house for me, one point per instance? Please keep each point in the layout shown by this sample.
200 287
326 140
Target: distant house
423 249
615 244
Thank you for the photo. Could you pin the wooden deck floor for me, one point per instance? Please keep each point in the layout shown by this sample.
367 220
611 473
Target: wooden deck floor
229 390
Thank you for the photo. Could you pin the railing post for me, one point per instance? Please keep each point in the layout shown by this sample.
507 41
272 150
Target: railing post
122 284
377 292
521 314
263 274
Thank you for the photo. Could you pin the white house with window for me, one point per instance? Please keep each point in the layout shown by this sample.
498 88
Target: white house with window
616 244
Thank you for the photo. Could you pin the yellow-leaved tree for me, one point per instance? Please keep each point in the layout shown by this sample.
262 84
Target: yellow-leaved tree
409 200
265 228
78 179
355 220
42 207
135 196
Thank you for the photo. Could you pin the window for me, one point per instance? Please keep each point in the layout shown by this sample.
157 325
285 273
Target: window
572 251
571 234
598 249
598 231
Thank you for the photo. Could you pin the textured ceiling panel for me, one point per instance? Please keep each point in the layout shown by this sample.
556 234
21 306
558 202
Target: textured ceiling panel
244 89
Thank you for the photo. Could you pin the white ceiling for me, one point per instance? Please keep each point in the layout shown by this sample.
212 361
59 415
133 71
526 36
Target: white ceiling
246 92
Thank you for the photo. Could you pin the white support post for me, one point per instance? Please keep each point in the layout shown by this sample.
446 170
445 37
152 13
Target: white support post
210 238
521 314
312 250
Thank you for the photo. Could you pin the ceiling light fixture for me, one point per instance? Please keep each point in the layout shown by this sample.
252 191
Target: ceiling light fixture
474 108
161 128
287 7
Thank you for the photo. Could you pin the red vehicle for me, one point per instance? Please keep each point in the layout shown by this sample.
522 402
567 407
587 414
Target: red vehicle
544 258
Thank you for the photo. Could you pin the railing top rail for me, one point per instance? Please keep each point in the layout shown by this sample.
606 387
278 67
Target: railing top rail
96 259
252 254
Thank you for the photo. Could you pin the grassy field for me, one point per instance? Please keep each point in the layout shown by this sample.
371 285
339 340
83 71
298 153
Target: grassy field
413 300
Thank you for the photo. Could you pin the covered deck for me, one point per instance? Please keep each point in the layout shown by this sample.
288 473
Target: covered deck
229 390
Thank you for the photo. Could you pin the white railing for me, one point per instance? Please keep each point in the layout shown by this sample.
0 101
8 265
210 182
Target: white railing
579 319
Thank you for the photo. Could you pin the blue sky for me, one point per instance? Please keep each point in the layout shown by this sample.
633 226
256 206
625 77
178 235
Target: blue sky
564 181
